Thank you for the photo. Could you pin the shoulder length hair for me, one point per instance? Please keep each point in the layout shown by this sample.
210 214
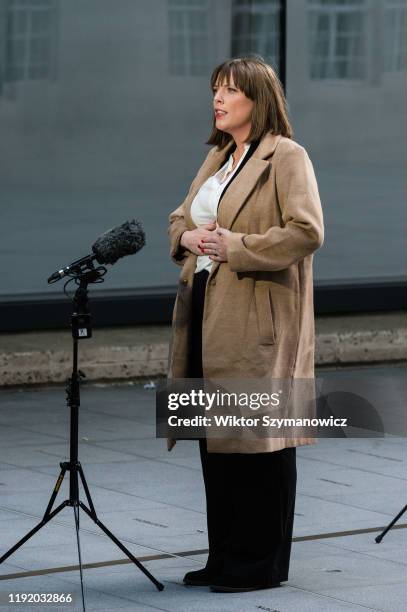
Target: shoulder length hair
260 83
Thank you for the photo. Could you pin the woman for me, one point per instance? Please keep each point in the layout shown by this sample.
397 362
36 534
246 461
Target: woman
245 237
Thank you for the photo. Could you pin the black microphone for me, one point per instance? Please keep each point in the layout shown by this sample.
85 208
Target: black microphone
126 239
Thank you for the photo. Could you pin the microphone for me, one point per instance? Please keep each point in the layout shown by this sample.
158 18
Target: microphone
125 239
118 242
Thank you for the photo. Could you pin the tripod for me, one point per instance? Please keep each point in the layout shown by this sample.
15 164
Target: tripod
81 328
381 535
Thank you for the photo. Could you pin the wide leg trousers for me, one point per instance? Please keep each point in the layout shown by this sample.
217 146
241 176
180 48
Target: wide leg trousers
250 498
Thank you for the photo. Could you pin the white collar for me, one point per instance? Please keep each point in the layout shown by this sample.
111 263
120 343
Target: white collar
230 160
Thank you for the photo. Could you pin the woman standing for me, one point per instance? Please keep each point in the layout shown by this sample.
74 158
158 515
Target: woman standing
245 237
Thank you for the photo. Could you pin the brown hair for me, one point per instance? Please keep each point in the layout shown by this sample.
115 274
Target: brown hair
260 83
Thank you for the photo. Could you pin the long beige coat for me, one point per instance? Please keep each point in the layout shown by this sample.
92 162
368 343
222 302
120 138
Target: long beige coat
259 315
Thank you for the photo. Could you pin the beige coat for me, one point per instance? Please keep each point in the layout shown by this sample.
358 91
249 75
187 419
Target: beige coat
259 315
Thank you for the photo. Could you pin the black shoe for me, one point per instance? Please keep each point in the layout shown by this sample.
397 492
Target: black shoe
203 577
230 584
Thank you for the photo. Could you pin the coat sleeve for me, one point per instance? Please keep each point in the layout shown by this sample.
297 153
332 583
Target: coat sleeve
176 228
302 231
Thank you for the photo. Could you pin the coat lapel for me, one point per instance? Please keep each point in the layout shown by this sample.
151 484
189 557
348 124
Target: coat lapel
238 192
240 189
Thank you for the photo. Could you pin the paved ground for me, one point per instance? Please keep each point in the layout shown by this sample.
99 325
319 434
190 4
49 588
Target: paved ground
154 502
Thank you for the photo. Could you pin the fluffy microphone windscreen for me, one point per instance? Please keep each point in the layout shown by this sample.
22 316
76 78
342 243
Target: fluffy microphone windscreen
126 239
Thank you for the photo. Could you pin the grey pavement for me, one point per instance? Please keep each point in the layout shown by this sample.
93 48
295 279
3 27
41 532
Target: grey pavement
153 501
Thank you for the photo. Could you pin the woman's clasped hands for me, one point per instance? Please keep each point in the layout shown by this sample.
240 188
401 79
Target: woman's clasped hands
209 239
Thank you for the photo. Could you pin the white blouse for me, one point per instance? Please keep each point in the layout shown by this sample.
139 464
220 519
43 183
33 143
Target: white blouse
204 208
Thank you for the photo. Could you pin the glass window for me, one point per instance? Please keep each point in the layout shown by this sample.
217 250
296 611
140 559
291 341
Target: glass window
188 37
346 90
30 29
336 31
256 29
121 132
118 135
396 35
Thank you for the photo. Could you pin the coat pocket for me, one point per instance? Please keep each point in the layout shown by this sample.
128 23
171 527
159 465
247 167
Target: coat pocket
264 314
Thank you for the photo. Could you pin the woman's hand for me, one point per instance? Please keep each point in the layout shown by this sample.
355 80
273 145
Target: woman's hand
191 238
216 244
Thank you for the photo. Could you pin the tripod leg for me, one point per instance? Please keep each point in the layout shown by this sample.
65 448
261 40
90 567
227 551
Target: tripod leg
33 531
76 514
380 537
122 547
55 491
87 492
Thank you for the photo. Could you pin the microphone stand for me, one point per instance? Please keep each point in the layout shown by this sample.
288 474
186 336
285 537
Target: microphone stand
81 329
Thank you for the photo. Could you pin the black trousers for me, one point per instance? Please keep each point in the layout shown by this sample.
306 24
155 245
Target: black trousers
250 498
